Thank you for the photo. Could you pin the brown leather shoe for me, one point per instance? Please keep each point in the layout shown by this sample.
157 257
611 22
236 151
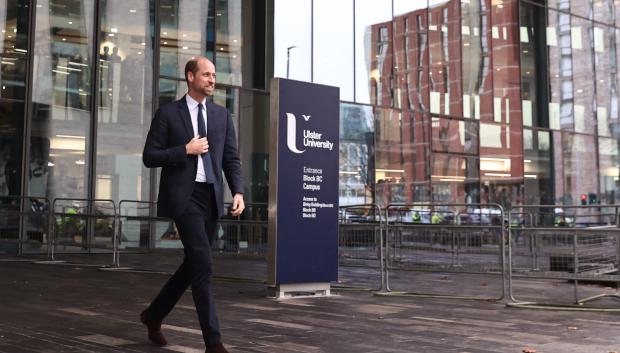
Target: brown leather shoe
154 329
216 348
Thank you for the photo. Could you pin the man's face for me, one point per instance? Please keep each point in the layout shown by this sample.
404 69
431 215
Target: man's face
203 81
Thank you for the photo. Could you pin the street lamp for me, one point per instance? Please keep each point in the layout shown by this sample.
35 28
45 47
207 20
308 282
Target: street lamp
288 56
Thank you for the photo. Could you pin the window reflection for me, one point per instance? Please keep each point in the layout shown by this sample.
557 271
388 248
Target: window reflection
11 117
401 157
444 30
357 137
171 90
292 39
61 98
454 135
537 166
477 83
609 163
373 60
253 135
14 27
228 46
125 80
184 32
333 45
583 45
455 179
576 166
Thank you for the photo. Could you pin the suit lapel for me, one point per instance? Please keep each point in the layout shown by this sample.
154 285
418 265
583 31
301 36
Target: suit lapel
186 118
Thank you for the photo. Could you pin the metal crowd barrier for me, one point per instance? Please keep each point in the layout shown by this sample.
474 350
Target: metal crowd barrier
79 226
244 236
573 251
465 240
361 238
140 230
33 215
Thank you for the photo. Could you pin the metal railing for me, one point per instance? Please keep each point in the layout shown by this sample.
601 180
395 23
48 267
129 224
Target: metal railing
82 225
571 246
30 214
462 239
361 238
417 249
140 230
245 235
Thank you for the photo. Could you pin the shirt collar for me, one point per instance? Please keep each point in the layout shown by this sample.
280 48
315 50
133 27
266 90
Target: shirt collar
192 103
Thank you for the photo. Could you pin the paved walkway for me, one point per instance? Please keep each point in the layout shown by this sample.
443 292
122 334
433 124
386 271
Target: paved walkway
77 308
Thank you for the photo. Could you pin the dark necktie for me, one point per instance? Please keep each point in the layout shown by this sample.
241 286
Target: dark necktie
206 157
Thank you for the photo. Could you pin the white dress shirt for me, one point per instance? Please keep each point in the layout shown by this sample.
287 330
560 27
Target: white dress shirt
192 105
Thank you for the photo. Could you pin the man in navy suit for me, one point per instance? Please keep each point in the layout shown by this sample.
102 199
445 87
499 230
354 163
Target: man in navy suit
191 192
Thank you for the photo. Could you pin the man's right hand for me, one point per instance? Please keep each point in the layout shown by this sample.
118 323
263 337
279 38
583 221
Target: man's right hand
197 145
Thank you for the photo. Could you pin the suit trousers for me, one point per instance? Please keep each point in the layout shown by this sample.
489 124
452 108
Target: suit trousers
196 228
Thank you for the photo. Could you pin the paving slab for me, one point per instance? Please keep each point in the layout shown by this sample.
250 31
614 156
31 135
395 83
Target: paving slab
75 307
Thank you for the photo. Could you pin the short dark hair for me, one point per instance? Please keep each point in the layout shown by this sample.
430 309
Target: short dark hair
191 66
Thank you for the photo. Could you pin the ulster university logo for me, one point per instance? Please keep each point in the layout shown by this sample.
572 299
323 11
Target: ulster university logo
291 132
311 138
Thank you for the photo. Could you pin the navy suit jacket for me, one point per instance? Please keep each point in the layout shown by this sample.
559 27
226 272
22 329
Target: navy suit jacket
171 129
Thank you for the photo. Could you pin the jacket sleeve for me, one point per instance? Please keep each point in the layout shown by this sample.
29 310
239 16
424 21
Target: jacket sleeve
156 151
231 164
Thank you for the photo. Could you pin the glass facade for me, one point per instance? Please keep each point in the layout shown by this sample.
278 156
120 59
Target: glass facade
459 101
492 101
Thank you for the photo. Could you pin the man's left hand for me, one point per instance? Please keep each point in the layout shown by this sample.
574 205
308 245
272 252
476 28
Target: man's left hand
237 205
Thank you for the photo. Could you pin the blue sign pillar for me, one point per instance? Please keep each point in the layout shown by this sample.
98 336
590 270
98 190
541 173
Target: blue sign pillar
303 187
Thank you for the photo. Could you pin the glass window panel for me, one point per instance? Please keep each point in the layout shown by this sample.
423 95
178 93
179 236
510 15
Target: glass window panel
14 27
533 71
61 98
528 139
11 132
253 137
454 178
606 88
505 58
616 13
614 104
292 39
171 90
183 34
410 61
477 72
416 66
373 62
537 167
604 10
560 71
444 33
609 162
501 167
451 135
228 47
576 171
12 77
544 143
228 97
577 7
584 86
333 45
357 163
401 156
125 104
